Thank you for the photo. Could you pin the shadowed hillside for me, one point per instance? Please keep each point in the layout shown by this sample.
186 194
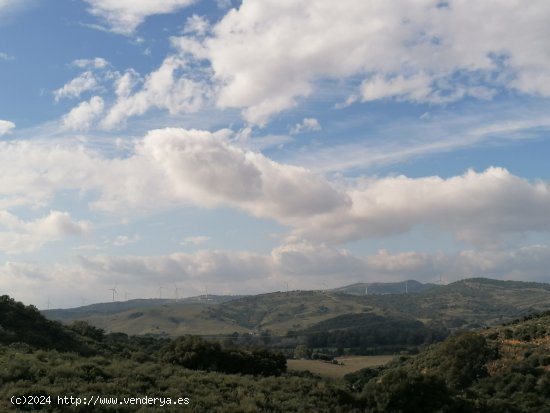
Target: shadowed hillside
25 324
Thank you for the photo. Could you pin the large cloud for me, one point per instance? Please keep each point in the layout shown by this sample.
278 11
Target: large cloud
198 167
124 16
267 54
478 207
176 167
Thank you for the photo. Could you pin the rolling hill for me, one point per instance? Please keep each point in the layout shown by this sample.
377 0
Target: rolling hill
409 286
469 303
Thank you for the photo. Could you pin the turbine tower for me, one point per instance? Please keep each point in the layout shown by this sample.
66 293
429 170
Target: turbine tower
114 291
176 292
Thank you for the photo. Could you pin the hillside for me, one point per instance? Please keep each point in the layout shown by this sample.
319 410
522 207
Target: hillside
409 286
500 369
493 370
25 324
470 303
120 306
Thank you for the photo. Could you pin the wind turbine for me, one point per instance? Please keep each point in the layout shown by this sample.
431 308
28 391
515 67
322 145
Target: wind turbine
160 291
114 292
176 291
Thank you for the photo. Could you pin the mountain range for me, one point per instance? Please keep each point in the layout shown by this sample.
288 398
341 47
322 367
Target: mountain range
469 303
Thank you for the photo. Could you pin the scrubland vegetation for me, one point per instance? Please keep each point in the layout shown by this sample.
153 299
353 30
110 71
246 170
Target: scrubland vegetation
499 369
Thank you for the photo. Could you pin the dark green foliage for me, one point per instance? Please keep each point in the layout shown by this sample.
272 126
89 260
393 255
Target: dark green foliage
196 353
52 373
87 330
462 359
402 390
478 372
368 330
20 323
359 379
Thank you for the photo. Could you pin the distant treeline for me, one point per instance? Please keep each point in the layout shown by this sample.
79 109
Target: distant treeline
196 353
367 330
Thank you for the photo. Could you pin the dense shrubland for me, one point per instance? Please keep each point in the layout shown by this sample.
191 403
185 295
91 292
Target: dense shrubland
504 369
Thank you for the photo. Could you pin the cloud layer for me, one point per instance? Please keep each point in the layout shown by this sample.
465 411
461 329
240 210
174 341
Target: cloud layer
268 54
302 265
171 167
265 57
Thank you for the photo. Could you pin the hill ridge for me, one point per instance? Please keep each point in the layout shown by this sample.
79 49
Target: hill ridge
469 303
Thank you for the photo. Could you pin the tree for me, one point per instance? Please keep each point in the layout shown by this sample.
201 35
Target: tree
462 359
402 390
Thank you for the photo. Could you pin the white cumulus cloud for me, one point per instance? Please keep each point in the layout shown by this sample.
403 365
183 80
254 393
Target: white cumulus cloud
196 24
124 16
162 89
6 127
95 63
20 236
307 125
173 167
73 89
82 116
267 54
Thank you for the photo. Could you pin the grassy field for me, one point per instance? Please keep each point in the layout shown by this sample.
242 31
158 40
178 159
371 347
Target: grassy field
346 364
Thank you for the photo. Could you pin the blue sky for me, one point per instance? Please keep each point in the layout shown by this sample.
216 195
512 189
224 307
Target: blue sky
240 146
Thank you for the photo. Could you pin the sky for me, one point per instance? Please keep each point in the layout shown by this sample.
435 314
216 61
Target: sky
238 147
